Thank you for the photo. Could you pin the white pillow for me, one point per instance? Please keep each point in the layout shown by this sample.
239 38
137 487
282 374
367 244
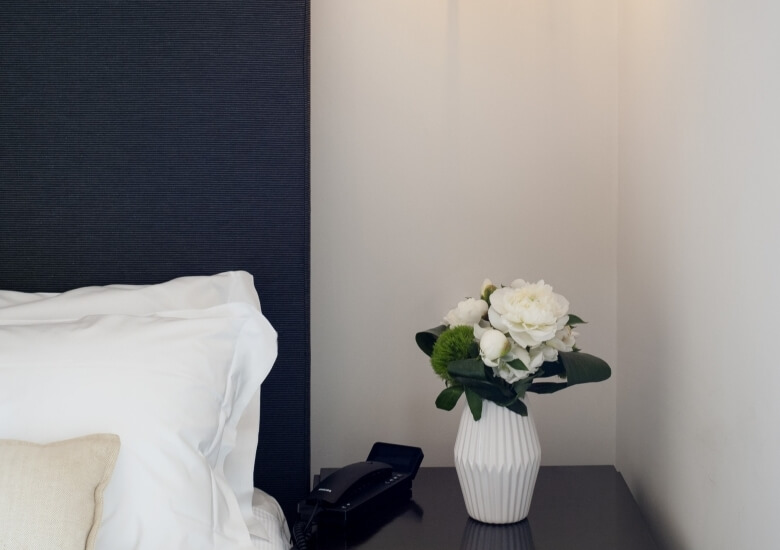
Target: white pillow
172 386
183 293
51 496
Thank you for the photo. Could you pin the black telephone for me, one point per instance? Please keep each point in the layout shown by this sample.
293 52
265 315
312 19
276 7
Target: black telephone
342 486
351 494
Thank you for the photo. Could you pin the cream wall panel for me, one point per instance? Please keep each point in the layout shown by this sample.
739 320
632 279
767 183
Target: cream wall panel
453 141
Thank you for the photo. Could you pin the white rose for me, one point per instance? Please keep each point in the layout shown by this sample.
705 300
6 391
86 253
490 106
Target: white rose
469 312
530 312
493 345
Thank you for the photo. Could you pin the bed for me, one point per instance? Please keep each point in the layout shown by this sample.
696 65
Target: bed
148 146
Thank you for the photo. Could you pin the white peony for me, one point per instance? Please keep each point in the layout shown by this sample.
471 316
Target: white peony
493 345
468 312
480 329
530 312
537 357
532 359
509 374
564 340
487 289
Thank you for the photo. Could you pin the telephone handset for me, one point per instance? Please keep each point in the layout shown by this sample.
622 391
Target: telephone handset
350 494
350 480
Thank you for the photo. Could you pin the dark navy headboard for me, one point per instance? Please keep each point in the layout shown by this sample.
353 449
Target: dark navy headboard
142 141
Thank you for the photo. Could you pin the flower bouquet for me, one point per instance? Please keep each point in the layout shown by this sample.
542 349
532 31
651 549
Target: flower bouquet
501 345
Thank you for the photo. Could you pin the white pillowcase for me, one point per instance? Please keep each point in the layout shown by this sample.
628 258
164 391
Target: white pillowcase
183 293
172 386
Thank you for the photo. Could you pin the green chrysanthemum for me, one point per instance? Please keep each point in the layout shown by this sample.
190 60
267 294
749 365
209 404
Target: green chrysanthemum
453 344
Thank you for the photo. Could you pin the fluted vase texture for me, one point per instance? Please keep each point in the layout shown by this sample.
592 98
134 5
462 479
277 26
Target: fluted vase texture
497 459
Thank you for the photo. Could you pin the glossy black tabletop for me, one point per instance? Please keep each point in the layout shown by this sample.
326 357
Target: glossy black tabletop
573 507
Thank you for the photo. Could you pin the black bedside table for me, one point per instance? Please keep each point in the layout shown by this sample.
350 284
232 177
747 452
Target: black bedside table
573 507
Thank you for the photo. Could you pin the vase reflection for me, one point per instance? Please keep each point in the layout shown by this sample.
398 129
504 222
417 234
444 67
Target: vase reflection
484 536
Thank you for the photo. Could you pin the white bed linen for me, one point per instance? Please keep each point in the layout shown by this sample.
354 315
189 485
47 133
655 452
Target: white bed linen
183 293
171 386
268 514
262 514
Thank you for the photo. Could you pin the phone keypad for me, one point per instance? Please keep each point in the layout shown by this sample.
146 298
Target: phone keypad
392 479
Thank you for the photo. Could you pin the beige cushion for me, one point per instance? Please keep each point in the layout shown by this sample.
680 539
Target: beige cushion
51 496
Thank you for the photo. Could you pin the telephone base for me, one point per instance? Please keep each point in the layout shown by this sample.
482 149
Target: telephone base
393 493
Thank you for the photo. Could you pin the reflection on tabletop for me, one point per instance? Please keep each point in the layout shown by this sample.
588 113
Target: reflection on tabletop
482 536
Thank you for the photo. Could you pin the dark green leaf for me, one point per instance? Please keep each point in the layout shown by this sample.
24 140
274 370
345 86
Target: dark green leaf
488 391
475 403
474 350
551 368
575 320
575 368
521 387
517 364
426 339
519 408
547 387
449 397
582 368
467 368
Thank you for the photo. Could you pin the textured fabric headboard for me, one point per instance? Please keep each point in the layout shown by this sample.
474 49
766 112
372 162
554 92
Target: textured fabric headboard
142 141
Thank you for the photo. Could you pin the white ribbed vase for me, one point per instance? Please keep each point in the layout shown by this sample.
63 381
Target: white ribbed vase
497 459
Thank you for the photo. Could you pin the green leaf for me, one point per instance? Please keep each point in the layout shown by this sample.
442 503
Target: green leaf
575 320
483 382
575 368
449 397
467 368
551 368
521 387
475 403
426 339
519 408
517 364
547 387
474 350
489 391
582 368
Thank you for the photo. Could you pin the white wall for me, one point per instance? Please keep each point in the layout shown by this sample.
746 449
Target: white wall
698 384
453 141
